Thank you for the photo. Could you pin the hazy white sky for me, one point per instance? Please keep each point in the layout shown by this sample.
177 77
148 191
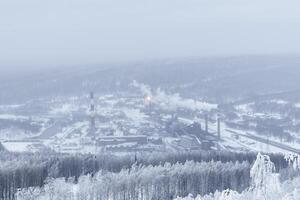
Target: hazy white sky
55 32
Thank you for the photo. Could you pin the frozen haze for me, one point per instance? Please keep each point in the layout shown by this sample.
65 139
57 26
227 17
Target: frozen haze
66 32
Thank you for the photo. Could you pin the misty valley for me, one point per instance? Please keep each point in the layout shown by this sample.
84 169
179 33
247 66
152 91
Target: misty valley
227 129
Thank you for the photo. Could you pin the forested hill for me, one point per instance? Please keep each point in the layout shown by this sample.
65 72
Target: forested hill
216 79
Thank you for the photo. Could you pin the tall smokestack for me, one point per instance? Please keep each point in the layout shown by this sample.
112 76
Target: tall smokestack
206 123
219 125
92 112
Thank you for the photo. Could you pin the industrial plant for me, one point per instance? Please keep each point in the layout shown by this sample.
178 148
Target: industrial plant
119 124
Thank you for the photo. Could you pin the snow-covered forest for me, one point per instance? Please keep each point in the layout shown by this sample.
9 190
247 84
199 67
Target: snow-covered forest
150 182
132 176
265 184
234 180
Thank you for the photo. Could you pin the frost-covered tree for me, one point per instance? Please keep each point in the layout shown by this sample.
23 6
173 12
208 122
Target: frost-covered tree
150 182
265 185
149 176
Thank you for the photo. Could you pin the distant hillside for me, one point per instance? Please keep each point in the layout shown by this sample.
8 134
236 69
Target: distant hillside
214 79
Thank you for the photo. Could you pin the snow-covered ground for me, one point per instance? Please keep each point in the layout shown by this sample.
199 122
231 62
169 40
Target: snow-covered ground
17 146
13 117
297 105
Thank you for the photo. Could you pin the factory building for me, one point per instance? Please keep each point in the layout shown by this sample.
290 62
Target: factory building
117 140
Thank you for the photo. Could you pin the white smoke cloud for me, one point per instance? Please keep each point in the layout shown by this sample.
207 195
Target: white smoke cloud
145 89
172 101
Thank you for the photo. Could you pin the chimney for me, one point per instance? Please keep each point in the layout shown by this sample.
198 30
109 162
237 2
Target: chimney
219 125
92 112
206 123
